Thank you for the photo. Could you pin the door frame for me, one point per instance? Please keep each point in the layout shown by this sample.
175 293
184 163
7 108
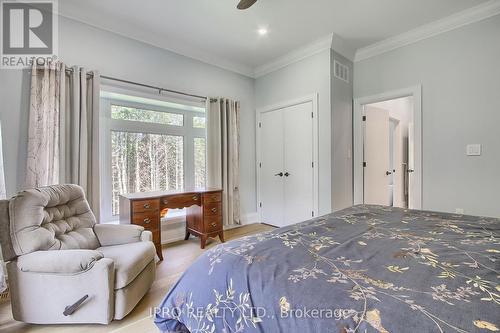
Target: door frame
313 98
358 137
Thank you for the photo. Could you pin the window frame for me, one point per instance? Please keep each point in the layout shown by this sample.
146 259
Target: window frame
108 124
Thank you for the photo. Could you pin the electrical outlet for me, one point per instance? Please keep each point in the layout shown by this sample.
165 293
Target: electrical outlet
459 211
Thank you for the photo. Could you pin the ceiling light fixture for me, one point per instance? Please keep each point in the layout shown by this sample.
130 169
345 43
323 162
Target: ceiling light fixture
262 31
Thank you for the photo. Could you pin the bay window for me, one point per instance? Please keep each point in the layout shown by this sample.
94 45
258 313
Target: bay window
149 144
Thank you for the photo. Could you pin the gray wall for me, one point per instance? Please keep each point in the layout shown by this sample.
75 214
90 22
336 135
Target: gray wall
342 185
460 76
114 55
306 77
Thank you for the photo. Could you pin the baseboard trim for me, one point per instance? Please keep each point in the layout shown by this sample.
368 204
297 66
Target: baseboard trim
250 218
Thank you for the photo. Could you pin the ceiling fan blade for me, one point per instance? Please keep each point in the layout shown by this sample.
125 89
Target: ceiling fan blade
245 4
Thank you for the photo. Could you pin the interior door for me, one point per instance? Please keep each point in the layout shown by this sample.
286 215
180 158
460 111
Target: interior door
298 168
376 156
411 165
398 176
271 168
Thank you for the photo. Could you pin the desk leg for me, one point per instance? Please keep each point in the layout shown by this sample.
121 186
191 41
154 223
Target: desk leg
187 235
158 251
221 236
203 241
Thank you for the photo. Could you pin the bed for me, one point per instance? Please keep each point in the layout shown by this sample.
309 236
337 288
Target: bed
362 269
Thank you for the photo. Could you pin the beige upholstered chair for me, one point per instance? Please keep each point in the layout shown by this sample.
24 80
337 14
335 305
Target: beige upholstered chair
65 268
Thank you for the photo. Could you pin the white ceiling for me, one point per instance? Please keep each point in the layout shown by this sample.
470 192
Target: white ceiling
216 32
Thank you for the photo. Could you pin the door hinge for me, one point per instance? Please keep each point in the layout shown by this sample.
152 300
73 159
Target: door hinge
312 213
364 164
260 125
312 114
312 163
364 118
260 165
260 204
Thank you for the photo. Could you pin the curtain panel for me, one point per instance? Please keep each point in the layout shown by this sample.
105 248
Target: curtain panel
79 139
3 284
63 139
223 163
46 98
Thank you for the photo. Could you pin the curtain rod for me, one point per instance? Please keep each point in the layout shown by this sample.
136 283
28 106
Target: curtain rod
160 89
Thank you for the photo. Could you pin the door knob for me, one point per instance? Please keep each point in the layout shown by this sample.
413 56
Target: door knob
388 173
287 174
410 170
279 174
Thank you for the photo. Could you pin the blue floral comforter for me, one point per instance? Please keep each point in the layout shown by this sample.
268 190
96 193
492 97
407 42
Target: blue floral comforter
363 269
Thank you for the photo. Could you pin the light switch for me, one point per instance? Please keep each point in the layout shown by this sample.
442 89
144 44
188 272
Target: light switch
473 150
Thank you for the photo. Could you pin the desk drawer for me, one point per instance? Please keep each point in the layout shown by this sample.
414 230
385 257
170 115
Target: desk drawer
212 197
148 220
213 224
214 208
181 201
145 206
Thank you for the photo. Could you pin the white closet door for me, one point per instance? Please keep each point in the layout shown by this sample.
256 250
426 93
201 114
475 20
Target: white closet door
271 183
376 152
298 168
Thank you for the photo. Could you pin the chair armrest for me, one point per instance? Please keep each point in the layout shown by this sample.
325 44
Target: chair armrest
118 234
146 236
58 261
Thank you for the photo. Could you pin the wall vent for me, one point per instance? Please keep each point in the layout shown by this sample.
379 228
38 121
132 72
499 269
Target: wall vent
341 71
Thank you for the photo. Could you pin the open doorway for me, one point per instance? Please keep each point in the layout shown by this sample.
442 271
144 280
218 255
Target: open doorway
387 172
388 148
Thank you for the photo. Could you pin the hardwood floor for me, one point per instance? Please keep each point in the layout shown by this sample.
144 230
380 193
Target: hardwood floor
178 257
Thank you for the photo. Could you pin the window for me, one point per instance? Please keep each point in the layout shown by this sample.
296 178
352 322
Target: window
199 162
199 122
143 162
148 116
149 145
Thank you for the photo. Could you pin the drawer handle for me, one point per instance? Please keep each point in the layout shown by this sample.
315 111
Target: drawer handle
147 220
195 197
214 210
165 201
147 206
214 224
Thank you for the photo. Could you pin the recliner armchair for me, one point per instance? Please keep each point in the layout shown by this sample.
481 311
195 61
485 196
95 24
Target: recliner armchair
65 268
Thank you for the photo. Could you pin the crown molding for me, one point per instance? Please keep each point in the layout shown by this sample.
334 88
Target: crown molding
331 41
455 21
189 52
296 55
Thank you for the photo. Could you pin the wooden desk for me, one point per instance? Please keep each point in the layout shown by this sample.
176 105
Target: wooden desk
203 217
